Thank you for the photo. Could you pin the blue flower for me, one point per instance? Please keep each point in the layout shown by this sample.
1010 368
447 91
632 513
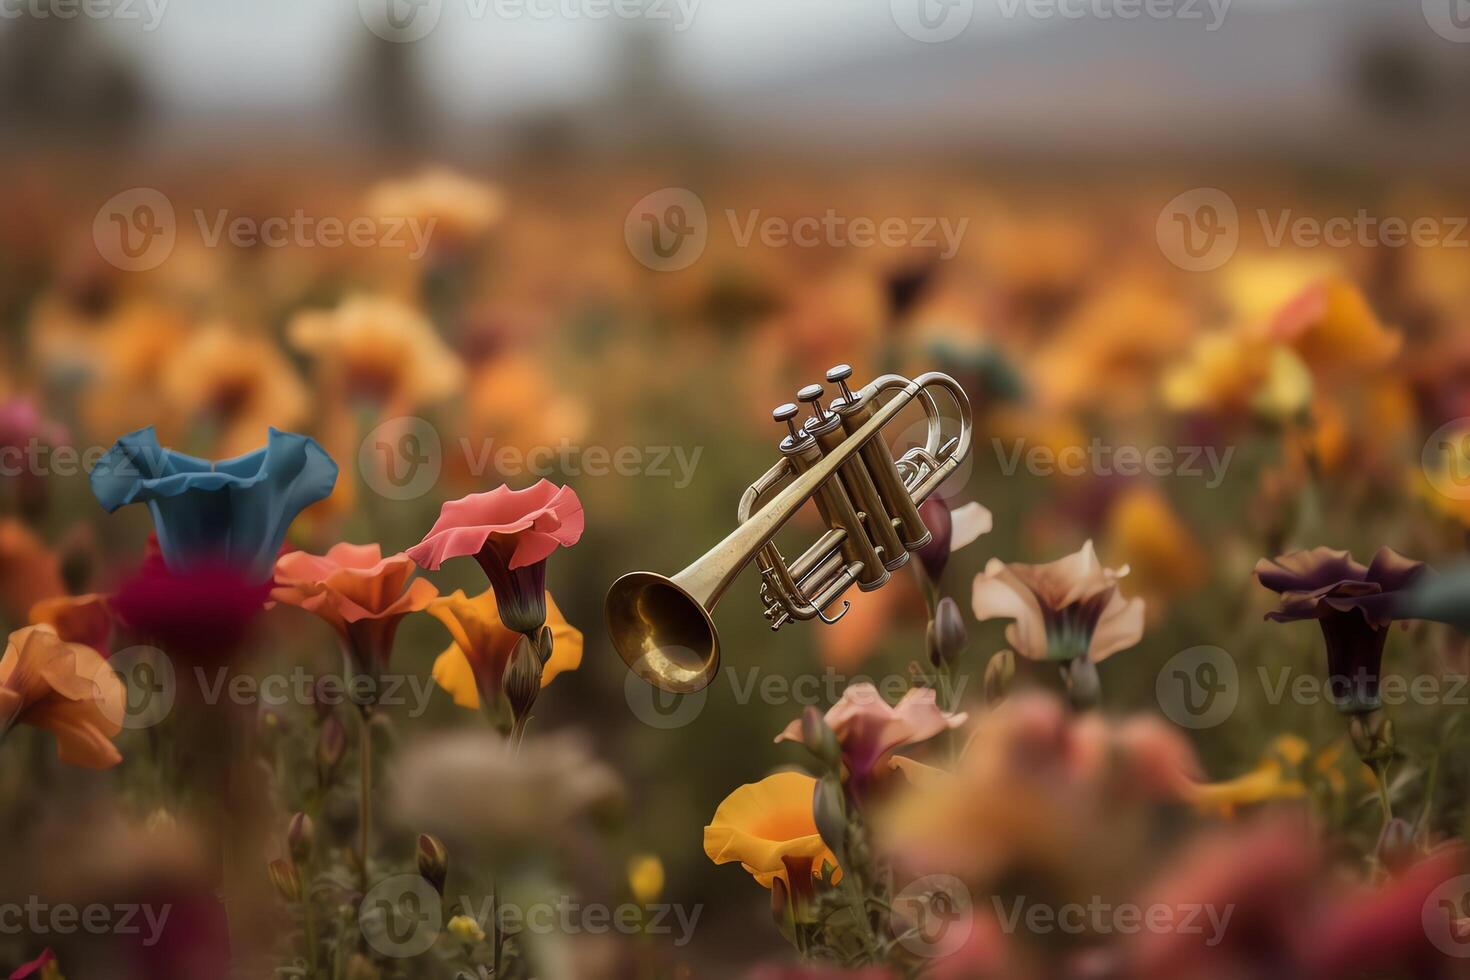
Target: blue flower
235 510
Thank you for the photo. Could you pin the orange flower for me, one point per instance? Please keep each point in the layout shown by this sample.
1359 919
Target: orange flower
380 350
65 688
1333 329
766 824
237 384
77 618
474 664
29 571
360 593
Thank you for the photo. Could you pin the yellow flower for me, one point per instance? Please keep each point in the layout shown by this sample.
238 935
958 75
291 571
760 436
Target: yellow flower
1230 373
1146 534
763 824
1273 779
449 206
646 878
466 929
475 661
379 349
1333 329
237 383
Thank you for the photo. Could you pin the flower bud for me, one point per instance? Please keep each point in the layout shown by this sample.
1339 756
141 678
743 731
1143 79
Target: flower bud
331 745
819 738
999 674
300 837
829 811
433 859
1373 736
946 637
522 680
646 878
1084 687
1396 850
781 909
934 556
466 929
286 878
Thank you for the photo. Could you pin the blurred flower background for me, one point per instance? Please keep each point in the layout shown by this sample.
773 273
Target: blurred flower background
1202 270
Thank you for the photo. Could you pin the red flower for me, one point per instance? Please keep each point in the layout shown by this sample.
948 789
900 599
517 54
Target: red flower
510 533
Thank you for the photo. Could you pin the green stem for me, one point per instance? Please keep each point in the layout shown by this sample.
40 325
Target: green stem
365 752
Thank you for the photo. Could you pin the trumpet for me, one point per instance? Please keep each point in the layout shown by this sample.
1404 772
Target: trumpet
663 626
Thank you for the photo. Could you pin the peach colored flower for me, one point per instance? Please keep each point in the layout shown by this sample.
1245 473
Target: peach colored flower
869 729
510 533
361 594
1063 610
77 619
473 666
65 688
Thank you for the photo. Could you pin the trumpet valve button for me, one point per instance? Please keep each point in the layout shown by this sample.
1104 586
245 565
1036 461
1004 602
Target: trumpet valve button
812 394
787 413
838 375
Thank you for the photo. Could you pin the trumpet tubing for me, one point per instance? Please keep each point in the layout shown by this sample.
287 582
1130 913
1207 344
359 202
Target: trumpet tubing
662 626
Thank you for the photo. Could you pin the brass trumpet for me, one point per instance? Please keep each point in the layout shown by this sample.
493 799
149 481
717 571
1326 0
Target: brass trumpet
662 626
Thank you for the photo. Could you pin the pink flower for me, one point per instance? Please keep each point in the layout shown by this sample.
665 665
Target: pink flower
869 729
510 533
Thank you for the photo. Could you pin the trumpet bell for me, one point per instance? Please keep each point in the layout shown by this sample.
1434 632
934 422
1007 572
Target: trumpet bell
663 633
